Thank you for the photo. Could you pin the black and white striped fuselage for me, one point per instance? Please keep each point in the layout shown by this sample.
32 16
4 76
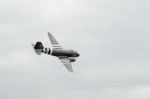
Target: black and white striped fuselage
46 51
60 52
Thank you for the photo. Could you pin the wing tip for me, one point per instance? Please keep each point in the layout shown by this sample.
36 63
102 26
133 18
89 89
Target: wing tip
71 71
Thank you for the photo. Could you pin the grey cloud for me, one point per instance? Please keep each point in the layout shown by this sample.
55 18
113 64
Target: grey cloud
111 36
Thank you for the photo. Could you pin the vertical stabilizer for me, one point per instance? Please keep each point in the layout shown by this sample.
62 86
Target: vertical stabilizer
38 47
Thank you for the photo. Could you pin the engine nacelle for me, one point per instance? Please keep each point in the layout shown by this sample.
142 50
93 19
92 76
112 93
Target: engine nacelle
72 59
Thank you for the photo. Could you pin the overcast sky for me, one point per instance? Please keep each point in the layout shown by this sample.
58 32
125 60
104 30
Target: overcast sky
112 37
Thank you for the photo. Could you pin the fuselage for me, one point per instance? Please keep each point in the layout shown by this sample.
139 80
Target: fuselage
60 52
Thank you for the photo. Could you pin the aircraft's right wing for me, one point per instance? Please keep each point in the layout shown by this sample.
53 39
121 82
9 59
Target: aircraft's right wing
53 41
66 62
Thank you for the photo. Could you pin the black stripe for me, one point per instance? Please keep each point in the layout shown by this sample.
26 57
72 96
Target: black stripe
49 52
45 50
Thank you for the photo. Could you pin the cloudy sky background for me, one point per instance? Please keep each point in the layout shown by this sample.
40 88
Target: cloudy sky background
112 37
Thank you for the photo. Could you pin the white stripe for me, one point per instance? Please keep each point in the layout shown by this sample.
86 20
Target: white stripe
51 51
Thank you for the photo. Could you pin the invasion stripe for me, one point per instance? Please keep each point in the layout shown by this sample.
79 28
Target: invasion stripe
49 52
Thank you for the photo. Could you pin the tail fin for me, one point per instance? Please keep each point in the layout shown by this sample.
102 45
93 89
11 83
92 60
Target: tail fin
38 47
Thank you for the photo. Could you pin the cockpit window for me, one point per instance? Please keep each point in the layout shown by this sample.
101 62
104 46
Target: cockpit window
74 53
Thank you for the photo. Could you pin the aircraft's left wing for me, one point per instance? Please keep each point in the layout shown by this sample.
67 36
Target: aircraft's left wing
66 62
54 42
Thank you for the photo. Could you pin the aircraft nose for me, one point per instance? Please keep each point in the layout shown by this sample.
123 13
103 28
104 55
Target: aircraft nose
77 54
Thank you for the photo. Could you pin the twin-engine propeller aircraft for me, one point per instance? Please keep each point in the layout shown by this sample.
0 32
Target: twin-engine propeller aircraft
64 55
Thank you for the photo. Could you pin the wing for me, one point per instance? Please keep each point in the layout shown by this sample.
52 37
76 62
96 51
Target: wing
53 41
66 62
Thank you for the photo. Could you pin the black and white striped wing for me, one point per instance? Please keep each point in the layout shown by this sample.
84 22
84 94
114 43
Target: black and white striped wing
66 62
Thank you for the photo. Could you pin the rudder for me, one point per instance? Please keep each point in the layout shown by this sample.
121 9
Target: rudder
38 47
